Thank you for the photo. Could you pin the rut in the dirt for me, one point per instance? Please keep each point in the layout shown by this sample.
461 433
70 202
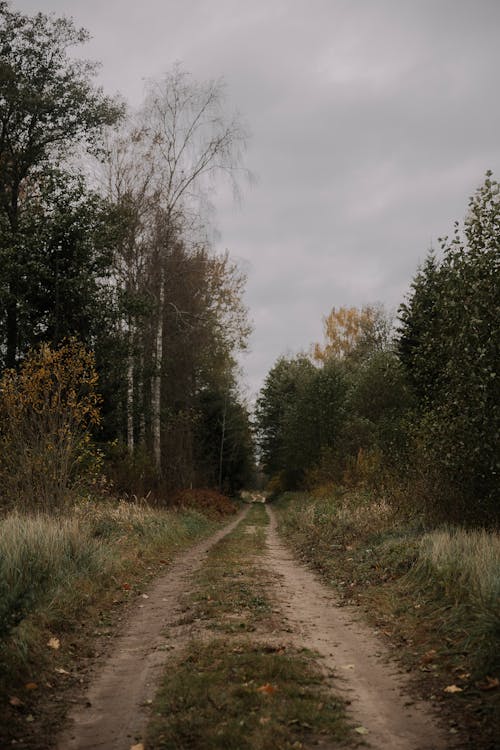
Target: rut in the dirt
112 715
377 690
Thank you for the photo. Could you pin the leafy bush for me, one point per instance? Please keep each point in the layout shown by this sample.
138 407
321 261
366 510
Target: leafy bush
46 412
449 344
208 501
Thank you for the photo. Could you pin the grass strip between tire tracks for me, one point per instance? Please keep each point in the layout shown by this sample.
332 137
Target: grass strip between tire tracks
237 685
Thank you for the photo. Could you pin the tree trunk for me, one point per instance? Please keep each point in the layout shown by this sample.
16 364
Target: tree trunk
156 385
130 402
12 332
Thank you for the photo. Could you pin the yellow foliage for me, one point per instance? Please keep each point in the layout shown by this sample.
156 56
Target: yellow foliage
46 411
365 468
343 328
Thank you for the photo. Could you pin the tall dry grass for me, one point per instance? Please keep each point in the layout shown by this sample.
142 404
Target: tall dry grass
358 538
58 571
40 558
461 570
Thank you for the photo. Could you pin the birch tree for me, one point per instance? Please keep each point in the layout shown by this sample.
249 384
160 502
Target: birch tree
192 143
162 167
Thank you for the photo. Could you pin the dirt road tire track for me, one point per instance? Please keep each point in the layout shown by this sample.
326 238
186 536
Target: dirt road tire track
376 688
112 714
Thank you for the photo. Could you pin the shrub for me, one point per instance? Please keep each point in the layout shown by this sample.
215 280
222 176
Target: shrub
47 409
208 501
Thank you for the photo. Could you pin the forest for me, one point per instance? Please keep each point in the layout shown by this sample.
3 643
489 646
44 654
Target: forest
133 470
409 407
108 280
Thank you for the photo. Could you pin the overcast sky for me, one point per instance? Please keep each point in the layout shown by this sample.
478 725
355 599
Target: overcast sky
372 122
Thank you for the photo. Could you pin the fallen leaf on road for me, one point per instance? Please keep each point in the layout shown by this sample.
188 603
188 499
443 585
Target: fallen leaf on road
31 686
453 689
15 701
429 656
490 683
145 596
361 730
267 688
54 643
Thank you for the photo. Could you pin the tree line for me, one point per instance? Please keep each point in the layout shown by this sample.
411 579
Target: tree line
105 237
411 408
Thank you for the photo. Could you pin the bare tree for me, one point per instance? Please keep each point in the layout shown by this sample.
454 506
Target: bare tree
192 143
163 166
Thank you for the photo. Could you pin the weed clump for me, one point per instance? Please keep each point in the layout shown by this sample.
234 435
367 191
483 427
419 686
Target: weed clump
206 500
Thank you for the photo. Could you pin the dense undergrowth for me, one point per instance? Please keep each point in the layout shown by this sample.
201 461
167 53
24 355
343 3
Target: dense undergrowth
62 577
433 591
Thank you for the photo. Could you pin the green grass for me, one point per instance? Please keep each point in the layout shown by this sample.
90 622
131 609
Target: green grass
230 590
243 697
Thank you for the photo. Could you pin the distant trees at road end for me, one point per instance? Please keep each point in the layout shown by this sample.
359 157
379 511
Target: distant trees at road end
413 409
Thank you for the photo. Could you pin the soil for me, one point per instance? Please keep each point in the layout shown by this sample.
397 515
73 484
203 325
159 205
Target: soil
113 712
377 689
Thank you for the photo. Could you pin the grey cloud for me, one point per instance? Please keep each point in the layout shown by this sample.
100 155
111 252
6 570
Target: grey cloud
372 122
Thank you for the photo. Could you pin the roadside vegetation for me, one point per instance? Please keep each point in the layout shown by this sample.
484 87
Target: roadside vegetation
381 445
104 241
410 409
63 582
433 593
237 685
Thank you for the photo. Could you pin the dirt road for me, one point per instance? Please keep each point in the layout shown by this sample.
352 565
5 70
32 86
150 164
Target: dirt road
376 688
113 713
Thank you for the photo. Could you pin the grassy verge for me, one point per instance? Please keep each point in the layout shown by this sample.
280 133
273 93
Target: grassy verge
433 592
62 581
237 687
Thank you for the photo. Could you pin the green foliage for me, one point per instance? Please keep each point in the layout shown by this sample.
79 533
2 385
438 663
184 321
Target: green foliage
47 106
316 423
277 414
449 344
65 246
223 441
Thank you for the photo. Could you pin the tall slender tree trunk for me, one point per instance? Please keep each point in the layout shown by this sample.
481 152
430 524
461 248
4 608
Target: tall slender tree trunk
156 385
130 399
12 329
